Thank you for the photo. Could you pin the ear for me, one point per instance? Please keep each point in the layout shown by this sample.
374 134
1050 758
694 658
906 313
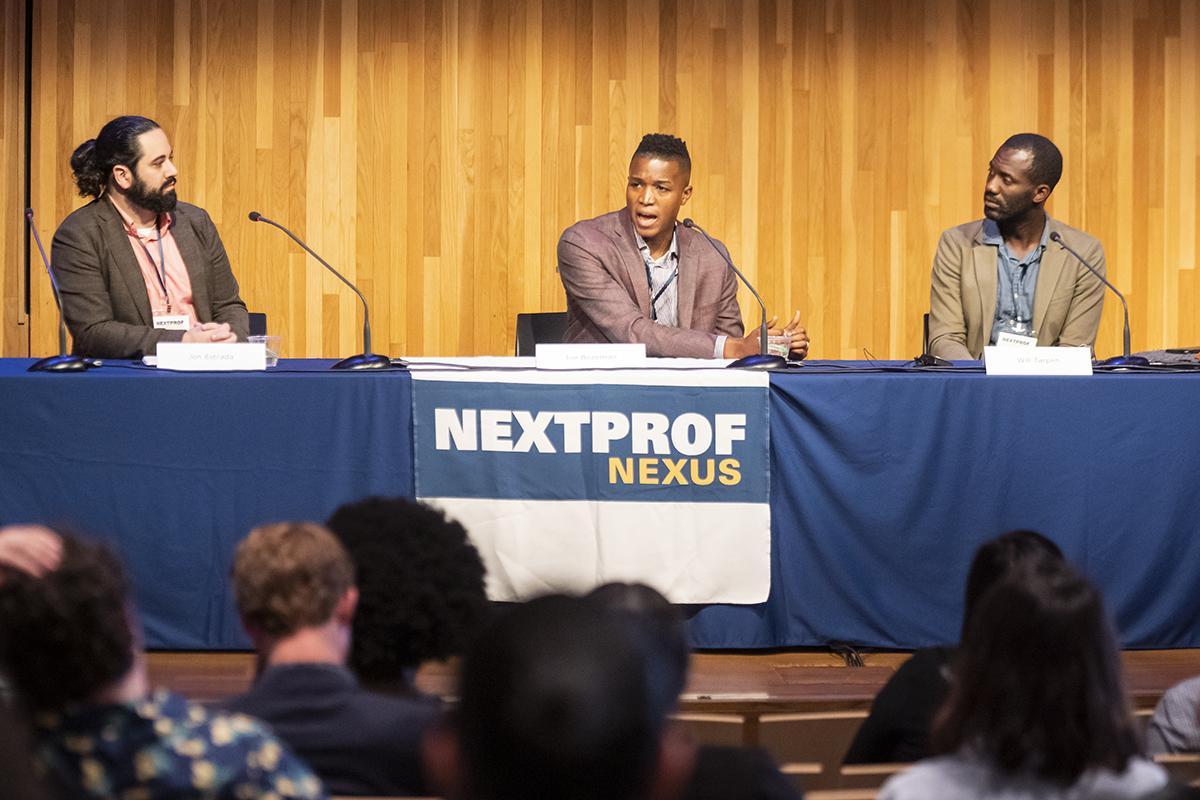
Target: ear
441 758
687 194
343 612
676 763
122 176
1041 194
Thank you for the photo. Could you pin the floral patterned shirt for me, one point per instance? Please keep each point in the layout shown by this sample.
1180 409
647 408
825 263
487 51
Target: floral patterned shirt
164 746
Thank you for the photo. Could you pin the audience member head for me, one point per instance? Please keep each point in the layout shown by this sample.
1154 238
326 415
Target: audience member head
420 585
662 627
556 704
117 145
293 577
1006 555
66 633
1037 685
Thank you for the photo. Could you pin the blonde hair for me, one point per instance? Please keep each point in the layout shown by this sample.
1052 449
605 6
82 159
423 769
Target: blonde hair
288 576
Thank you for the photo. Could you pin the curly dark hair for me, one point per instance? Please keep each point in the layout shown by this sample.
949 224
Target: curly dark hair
665 146
117 143
66 635
420 584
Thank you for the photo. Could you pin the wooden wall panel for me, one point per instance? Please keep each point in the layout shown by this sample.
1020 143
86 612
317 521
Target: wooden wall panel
14 324
434 150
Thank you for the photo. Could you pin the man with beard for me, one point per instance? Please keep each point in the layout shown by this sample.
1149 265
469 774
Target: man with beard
1001 280
135 267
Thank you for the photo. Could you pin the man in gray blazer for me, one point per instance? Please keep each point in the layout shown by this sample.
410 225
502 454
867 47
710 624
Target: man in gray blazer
1001 277
135 267
636 276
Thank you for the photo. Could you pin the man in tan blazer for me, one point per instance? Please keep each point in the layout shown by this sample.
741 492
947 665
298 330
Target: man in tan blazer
1002 274
635 275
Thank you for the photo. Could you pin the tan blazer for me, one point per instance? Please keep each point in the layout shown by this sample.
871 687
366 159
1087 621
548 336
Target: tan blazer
104 295
1067 300
608 297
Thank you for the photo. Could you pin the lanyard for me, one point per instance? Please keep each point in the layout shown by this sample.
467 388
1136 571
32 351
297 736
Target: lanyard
160 269
661 289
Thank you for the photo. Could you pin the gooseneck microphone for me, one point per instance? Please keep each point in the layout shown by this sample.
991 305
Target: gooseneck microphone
763 360
1125 360
64 361
366 359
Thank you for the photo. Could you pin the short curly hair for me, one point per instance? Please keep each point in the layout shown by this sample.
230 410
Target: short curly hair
288 576
666 147
66 635
420 584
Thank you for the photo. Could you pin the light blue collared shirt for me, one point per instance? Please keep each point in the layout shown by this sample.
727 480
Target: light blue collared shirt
1016 279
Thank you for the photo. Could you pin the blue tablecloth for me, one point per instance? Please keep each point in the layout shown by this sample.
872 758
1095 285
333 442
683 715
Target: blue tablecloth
882 487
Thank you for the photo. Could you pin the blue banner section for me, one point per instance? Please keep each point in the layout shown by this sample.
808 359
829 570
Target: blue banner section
590 442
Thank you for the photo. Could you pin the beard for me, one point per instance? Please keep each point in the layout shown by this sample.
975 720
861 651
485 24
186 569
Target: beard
159 201
1004 210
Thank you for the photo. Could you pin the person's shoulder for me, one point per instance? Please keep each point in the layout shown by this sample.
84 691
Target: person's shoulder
192 213
926 665
966 233
1186 691
85 216
942 776
603 225
1139 777
390 708
238 751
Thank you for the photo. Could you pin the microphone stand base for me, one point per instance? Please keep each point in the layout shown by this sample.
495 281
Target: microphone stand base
61 363
364 361
759 362
1125 361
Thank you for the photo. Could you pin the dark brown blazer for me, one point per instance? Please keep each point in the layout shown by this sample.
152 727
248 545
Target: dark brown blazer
608 295
104 295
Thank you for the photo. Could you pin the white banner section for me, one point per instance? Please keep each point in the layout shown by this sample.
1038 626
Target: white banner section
568 480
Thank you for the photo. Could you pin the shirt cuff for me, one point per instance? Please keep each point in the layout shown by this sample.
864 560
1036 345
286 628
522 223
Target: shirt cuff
719 349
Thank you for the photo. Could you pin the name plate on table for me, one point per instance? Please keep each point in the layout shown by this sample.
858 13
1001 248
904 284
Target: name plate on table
590 356
1037 360
207 357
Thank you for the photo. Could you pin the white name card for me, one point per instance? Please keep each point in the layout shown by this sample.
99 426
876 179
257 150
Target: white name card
210 357
589 356
1037 360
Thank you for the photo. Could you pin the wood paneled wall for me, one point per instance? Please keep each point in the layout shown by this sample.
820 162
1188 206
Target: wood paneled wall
14 323
435 149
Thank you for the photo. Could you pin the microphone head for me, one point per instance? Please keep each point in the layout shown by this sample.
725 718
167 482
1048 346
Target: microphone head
1054 237
29 214
688 223
255 216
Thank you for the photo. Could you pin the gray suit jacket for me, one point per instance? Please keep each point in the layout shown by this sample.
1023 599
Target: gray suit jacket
1067 301
608 296
104 295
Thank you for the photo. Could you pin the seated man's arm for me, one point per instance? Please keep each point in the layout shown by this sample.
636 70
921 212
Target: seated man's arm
606 303
1087 301
87 305
227 305
947 325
